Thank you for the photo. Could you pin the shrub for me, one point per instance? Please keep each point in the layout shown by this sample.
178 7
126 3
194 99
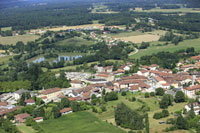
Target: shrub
146 95
133 99
170 121
152 94
162 114
123 93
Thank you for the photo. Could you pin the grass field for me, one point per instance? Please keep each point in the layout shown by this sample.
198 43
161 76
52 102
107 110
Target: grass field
79 122
181 10
14 39
171 48
152 102
138 37
74 27
75 41
25 129
6 28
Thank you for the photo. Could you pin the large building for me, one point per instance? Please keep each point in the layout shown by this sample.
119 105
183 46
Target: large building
50 94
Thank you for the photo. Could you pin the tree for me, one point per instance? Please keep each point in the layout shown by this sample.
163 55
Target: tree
64 103
123 93
146 95
181 123
75 106
166 101
160 91
111 96
29 121
147 123
179 97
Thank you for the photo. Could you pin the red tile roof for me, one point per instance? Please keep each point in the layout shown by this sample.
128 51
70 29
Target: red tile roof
3 103
76 82
29 101
195 87
38 118
49 91
21 117
65 110
5 111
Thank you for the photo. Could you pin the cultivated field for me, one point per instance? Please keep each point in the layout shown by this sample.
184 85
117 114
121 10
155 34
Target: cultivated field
141 38
75 27
171 47
14 39
6 28
79 122
182 10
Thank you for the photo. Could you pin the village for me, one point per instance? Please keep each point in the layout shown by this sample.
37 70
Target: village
84 85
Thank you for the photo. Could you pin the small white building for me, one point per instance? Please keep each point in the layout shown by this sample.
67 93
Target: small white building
195 107
65 111
38 119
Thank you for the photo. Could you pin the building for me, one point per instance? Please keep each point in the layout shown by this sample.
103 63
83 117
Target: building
191 91
195 107
21 118
65 111
18 94
50 94
38 119
29 101
77 83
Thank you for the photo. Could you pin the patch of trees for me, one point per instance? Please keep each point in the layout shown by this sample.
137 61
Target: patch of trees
111 96
127 118
179 97
144 45
166 101
6 126
169 36
162 114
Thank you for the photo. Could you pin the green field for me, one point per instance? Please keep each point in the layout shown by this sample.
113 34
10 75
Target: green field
25 129
6 28
14 39
181 10
171 48
79 122
75 41
125 34
152 102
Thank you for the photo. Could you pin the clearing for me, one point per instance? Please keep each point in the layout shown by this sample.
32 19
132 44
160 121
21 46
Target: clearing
78 122
14 39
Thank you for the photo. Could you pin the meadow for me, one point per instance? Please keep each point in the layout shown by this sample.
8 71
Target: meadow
25 129
75 41
78 122
14 39
6 28
152 102
154 48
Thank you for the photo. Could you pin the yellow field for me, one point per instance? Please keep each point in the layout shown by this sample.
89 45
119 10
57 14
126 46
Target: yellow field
2 51
75 27
141 38
14 39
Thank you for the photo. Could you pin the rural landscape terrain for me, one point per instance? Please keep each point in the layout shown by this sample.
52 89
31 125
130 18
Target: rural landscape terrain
99 66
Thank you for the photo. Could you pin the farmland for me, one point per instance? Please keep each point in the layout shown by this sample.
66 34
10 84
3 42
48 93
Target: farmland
138 37
14 39
170 47
180 10
79 122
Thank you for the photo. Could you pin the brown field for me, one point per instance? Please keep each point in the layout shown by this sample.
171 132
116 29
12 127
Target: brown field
14 39
75 27
141 38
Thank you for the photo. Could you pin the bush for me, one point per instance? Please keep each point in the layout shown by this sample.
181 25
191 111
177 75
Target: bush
152 94
146 95
123 93
103 108
111 96
160 91
162 114
133 99
170 121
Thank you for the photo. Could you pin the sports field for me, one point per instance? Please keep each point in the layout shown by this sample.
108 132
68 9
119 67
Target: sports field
79 122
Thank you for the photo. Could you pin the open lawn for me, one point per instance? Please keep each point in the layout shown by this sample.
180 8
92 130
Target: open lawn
79 122
75 41
181 10
14 39
170 47
25 129
6 28
75 27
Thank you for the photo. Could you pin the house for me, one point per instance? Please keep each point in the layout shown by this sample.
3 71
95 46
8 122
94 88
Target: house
38 119
154 67
50 94
118 72
143 73
105 76
21 118
196 58
125 68
196 107
29 101
108 69
134 88
3 104
191 91
77 83
65 111
18 94
5 111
